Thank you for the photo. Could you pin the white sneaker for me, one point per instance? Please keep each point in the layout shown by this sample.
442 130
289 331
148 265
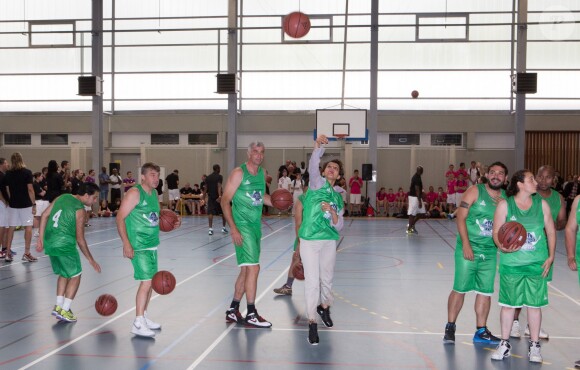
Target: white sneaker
210 232
152 324
534 352
502 351
36 234
140 328
543 334
516 332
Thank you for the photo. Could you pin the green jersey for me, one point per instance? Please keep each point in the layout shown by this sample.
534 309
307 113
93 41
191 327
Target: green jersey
529 259
554 202
479 222
143 221
316 224
249 198
60 234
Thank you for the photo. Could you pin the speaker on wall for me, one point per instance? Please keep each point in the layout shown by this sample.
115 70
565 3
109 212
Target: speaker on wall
367 172
525 83
226 83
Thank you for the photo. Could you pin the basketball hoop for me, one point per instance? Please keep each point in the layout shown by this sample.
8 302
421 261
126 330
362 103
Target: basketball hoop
340 136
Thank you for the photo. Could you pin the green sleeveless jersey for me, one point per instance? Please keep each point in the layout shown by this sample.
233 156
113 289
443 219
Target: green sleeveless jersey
529 259
316 224
578 236
554 202
60 234
479 222
249 198
143 221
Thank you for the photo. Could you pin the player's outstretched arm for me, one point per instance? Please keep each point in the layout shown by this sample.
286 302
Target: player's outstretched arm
129 203
82 242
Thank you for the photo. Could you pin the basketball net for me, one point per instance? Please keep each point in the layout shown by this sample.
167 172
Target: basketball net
341 138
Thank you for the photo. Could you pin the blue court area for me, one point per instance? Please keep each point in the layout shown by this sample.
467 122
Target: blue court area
390 306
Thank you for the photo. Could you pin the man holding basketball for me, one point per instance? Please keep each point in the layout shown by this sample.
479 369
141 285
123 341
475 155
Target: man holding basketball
62 227
138 226
476 254
246 190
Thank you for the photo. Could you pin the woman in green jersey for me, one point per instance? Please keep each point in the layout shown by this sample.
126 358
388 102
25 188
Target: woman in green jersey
523 272
323 210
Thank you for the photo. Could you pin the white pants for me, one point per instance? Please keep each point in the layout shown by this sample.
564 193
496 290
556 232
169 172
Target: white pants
318 258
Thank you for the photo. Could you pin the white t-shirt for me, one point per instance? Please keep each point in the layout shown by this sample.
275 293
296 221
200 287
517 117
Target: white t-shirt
284 183
115 178
297 186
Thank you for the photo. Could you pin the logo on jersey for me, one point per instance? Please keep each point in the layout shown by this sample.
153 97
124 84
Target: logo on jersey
513 218
247 182
144 203
152 217
482 203
531 242
327 214
485 227
256 198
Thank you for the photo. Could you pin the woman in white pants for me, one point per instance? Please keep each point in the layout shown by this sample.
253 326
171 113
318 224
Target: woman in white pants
323 210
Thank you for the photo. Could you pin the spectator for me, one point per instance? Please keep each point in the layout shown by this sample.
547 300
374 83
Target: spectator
462 170
570 192
392 203
115 181
382 202
76 181
104 183
159 190
416 207
297 187
430 197
450 171
435 210
64 166
401 199
114 207
460 188
451 192
186 196
41 202
442 198
473 173
54 181
197 200
104 210
128 182
214 196
91 176
284 181
355 183
172 181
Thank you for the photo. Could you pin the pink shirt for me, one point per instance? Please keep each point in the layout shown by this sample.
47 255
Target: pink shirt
355 185
392 197
431 196
461 186
451 186
381 196
442 197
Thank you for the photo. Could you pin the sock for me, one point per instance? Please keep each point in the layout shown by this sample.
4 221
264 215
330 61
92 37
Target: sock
251 308
139 318
66 304
480 327
59 300
235 304
289 282
451 323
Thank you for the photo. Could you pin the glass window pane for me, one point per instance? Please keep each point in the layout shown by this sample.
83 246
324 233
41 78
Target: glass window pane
166 86
404 139
166 58
442 28
52 87
164 139
202 139
446 139
292 57
41 60
17 139
52 34
54 139
291 85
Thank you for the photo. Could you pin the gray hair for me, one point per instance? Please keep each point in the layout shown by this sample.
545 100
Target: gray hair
258 144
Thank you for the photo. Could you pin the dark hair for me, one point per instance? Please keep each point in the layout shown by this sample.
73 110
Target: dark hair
519 176
89 188
216 167
340 167
52 167
500 164
36 175
63 163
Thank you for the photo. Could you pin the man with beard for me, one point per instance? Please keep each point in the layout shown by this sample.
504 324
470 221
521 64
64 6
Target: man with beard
476 253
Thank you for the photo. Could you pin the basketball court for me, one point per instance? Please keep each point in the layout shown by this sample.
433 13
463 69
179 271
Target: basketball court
390 306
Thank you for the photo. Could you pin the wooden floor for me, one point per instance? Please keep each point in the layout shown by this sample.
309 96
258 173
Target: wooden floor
390 308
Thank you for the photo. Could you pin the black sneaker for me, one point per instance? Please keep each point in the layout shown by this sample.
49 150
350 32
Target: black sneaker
325 316
449 336
233 315
313 334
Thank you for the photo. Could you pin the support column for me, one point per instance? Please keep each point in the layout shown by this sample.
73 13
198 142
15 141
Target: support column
520 116
232 137
97 67
373 114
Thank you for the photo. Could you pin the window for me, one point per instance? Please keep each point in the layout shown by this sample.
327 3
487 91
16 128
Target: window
404 139
17 139
202 139
52 34
54 139
439 27
446 139
164 139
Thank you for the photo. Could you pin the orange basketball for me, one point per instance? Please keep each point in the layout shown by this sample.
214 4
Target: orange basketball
281 199
107 214
414 94
163 282
296 25
106 305
298 271
167 220
512 234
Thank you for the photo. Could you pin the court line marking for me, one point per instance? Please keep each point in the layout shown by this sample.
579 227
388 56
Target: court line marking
564 294
232 326
133 308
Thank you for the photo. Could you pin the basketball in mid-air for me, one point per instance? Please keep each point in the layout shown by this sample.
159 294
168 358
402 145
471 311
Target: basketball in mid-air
163 282
512 234
106 305
281 199
414 94
296 25
167 220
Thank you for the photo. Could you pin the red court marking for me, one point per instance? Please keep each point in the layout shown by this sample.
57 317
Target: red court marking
345 364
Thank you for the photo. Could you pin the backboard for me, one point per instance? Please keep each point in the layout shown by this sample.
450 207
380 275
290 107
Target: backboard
350 122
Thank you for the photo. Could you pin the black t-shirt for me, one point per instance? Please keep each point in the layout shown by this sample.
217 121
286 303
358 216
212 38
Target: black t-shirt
186 191
54 186
172 180
159 187
75 184
2 188
211 184
37 190
415 181
17 182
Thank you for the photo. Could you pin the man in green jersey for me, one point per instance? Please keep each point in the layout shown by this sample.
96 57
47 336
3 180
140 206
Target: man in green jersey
246 190
545 179
138 226
571 240
62 227
476 254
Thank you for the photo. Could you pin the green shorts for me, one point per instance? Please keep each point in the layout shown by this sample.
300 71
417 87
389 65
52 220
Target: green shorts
144 264
249 252
475 276
66 266
523 290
